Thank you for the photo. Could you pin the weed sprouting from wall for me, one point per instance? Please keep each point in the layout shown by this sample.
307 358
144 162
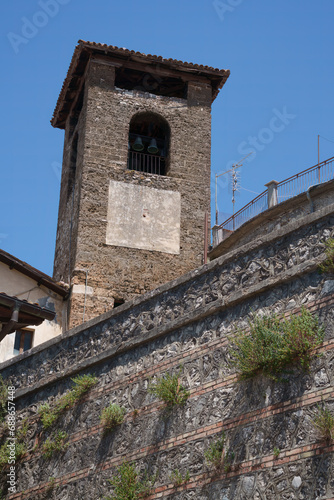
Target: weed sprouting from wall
274 343
328 265
10 450
129 485
217 456
177 478
135 413
48 415
20 450
51 485
82 384
3 400
169 390
6 455
56 443
324 422
112 416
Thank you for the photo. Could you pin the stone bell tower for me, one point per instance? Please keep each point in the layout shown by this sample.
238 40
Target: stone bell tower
136 173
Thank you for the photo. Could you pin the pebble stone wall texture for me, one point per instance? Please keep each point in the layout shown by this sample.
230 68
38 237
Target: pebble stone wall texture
103 127
189 323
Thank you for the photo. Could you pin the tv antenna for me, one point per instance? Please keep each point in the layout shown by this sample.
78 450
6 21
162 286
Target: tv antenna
234 182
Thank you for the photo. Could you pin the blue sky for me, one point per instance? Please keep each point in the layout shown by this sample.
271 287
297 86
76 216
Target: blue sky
280 54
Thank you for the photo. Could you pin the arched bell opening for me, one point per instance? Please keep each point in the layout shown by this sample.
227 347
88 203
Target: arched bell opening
149 135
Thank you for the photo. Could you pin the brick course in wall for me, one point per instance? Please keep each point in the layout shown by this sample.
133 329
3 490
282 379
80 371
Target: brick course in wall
189 323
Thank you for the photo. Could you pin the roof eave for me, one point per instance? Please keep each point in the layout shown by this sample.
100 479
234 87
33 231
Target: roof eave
92 47
21 314
40 277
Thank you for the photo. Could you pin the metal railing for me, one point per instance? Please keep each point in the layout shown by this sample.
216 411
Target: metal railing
299 183
143 162
294 185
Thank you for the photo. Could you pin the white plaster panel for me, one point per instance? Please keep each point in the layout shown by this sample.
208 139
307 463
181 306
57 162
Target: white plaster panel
143 217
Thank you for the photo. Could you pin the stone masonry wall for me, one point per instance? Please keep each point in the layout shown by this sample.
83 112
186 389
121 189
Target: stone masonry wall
69 200
189 323
120 272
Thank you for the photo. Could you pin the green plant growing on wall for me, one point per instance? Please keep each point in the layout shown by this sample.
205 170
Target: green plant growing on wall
324 422
3 400
22 429
328 265
276 452
169 390
129 485
3 429
217 456
48 415
274 343
135 413
82 384
4 455
177 478
20 446
112 416
20 450
56 443
51 485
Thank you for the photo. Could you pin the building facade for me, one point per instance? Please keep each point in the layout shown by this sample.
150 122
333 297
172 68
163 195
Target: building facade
33 307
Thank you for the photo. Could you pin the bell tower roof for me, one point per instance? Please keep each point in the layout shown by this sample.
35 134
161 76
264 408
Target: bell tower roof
171 75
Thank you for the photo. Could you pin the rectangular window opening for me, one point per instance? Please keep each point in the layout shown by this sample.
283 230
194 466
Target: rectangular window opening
23 341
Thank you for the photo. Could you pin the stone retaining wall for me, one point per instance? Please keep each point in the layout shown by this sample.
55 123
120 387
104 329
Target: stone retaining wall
188 323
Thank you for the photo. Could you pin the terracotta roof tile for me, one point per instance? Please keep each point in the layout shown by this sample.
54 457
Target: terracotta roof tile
123 50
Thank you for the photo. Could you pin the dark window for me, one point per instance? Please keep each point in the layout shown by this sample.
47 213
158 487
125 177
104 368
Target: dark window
130 79
23 340
148 144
